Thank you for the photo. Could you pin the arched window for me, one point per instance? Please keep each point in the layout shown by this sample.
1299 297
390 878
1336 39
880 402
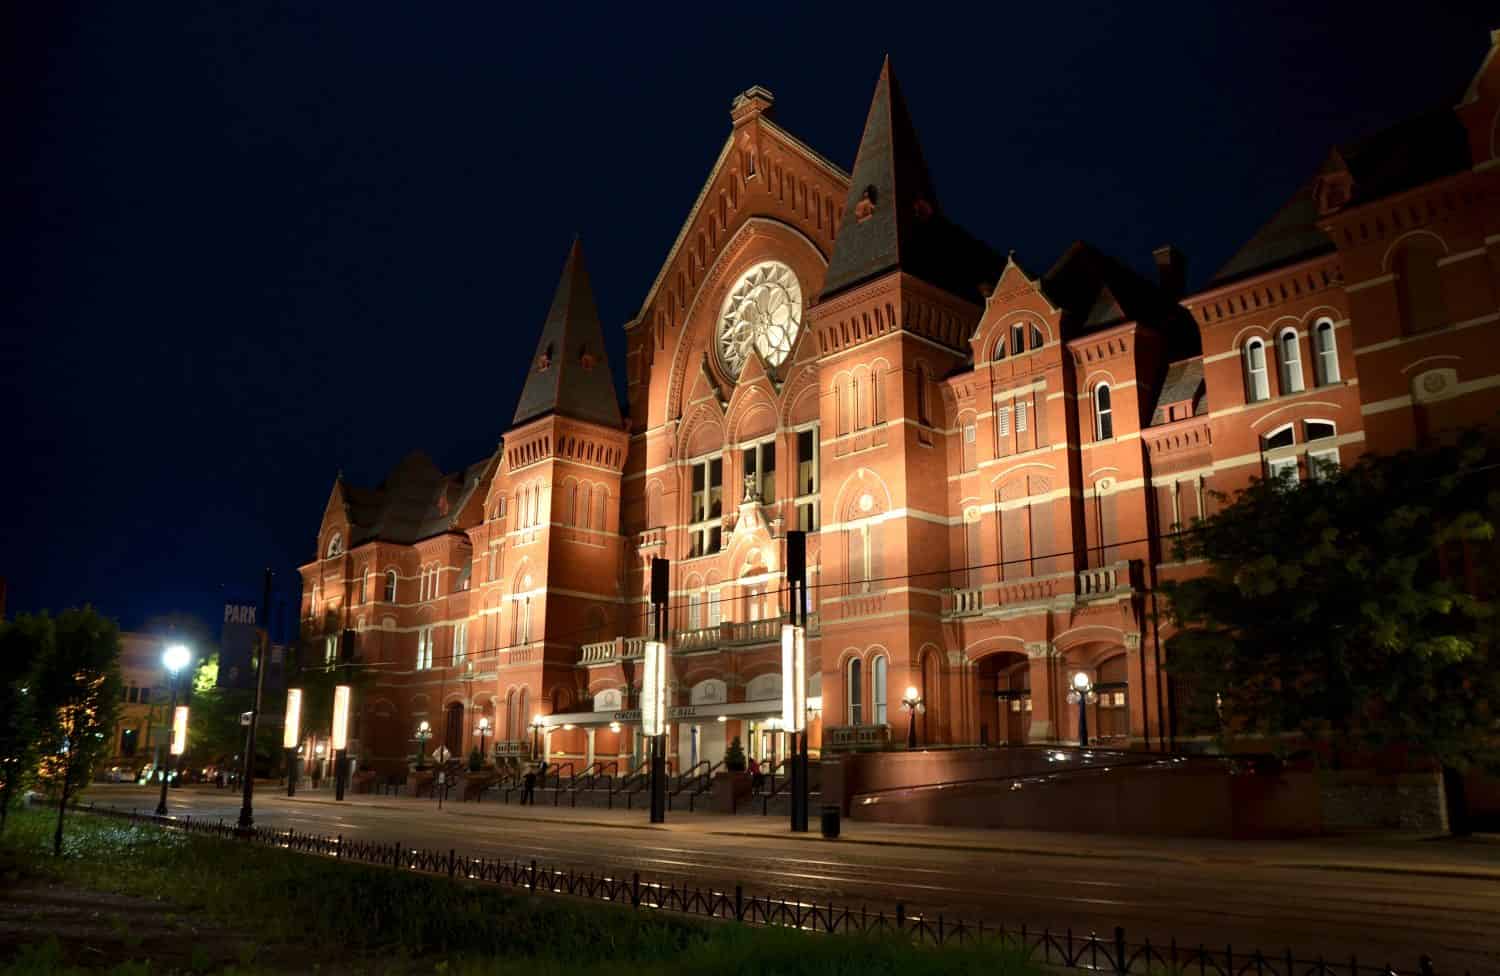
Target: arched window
390 586
1291 362
1036 337
1419 285
1257 385
854 692
1000 347
1104 420
1018 338
1326 345
877 689
335 545
841 396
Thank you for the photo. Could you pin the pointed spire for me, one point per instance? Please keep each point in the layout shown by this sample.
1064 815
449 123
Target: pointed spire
570 372
891 219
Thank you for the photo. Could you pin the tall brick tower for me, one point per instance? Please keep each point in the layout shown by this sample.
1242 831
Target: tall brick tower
899 304
560 582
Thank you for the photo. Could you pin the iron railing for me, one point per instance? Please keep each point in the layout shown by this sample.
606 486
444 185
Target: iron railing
1109 954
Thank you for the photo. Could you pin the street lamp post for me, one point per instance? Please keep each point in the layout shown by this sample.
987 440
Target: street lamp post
482 730
1083 693
424 732
912 704
174 659
536 736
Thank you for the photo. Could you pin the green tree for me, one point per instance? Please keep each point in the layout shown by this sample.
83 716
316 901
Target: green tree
24 643
214 729
78 694
1353 609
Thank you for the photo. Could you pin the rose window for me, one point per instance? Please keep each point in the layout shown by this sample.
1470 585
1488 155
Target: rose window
763 311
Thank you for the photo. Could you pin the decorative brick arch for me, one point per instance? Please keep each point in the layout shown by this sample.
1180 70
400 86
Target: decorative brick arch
849 501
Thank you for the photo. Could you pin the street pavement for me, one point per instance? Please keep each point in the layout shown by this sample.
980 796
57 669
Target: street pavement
1383 899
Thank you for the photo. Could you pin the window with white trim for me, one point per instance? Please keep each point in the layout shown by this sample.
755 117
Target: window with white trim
1018 338
1104 419
1291 362
390 586
1283 436
1282 469
877 689
807 479
1257 384
1325 342
705 531
1000 347
331 649
460 642
759 462
1002 421
854 691
1324 461
1021 417
520 620
1037 339
715 607
424 648
695 611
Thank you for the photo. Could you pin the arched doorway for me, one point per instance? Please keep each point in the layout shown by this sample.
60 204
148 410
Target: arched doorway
931 692
1004 680
453 730
1113 707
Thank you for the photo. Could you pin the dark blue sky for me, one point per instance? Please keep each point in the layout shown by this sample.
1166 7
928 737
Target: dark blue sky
247 246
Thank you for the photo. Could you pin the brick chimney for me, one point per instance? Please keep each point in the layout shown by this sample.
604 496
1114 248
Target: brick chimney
1171 270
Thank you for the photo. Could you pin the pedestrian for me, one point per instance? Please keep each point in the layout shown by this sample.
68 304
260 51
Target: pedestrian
757 778
528 789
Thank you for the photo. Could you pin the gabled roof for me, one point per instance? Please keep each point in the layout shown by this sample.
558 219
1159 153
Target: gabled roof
1184 381
570 374
1096 291
1290 236
891 218
1418 150
415 501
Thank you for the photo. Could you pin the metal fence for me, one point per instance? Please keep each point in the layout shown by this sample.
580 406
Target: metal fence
1110 954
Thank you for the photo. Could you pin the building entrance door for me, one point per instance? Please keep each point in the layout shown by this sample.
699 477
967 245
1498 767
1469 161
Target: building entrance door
711 744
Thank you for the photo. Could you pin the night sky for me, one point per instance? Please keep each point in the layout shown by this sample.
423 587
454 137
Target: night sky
245 247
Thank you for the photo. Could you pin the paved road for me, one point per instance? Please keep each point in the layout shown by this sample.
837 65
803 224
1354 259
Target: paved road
1383 902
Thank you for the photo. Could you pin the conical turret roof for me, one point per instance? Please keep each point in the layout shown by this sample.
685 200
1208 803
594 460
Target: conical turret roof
891 219
570 374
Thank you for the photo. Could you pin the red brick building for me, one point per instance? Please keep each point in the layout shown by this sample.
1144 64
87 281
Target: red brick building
986 452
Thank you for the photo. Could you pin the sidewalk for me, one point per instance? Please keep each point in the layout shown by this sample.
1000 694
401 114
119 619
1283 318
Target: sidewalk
1476 858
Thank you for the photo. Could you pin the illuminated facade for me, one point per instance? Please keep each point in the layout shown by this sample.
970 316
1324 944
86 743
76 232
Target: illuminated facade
986 456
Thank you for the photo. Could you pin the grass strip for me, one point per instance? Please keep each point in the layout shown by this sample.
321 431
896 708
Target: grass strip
310 914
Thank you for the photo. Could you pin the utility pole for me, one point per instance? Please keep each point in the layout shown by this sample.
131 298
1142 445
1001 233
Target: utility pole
247 810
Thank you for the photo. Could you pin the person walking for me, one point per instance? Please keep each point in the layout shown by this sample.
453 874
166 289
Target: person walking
757 778
528 788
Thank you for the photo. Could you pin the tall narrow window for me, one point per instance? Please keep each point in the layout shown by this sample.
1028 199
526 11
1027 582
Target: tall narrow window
1419 285
1021 417
1104 420
841 397
705 531
1291 362
1018 338
877 395
970 439
695 611
858 540
715 607
877 690
854 692
1002 421
1326 344
807 479
1036 338
924 412
460 642
390 586
1257 385
1000 347
759 467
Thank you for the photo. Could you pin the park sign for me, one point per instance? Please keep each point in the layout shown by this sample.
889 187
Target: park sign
239 642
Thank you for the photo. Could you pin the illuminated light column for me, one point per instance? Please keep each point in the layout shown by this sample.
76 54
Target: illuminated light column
654 689
341 696
292 731
179 730
794 676
174 659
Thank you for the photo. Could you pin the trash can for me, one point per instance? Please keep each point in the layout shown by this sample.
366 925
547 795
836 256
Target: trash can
831 821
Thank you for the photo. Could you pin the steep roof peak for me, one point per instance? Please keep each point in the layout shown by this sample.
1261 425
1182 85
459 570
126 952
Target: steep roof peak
570 372
891 218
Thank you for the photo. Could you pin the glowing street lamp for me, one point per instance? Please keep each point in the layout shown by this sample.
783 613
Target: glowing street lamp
1083 693
536 735
482 730
424 732
912 704
174 659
